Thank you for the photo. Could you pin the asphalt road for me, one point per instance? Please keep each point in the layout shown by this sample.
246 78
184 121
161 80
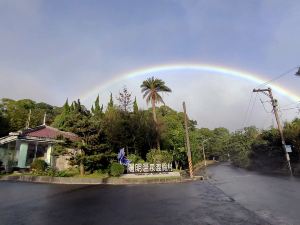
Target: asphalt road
192 203
275 198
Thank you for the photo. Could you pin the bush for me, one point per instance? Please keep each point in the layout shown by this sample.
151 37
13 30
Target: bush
155 156
39 165
52 172
116 169
135 158
63 173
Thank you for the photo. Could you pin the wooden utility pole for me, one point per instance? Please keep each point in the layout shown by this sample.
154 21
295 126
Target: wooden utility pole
274 102
189 155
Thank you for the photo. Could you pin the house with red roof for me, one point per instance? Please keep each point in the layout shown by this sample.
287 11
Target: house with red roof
19 149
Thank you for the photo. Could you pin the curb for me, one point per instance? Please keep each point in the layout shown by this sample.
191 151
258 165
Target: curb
92 181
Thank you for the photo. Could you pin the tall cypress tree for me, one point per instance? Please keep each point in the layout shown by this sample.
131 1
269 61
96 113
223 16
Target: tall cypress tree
66 107
135 106
110 104
97 105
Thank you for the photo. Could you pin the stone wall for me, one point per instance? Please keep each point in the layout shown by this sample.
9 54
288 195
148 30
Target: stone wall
62 162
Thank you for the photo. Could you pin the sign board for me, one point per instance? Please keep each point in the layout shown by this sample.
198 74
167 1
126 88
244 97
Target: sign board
288 148
149 168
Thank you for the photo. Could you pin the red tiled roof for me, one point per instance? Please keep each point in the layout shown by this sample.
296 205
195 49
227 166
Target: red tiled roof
49 132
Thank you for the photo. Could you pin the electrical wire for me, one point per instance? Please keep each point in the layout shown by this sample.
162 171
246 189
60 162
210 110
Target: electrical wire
290 108
251 111
247 111
264 106
278 77
293 103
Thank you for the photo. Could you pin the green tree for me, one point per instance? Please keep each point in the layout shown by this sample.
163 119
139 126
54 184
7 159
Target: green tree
239 146
93 151
97 110
135 106
110 104
16 113
151 89
125 101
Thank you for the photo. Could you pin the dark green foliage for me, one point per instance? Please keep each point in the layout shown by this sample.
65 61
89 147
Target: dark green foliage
110 104
103 133
173 134
154 156
151 89
97 111
266 157
38 165
52 172
66 107
60 148
14 114
135 132
135 158
93 151
135 106
116 169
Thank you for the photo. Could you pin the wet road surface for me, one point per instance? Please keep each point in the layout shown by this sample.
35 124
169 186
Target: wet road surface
275 198
192 203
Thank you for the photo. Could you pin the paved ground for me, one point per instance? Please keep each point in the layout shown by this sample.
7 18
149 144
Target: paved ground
194 203
275 198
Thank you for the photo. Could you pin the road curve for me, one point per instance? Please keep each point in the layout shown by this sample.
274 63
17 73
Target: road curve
275 198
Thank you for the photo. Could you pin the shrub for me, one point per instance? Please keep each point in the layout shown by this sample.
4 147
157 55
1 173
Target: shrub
39 165
116 169
155 156
52 172
135 158
63 173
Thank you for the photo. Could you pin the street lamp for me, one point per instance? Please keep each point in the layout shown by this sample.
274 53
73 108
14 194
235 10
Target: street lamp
204 157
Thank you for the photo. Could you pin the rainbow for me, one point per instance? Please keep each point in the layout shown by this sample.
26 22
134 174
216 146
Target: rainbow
225 71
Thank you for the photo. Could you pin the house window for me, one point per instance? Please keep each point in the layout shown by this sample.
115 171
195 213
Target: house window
35 151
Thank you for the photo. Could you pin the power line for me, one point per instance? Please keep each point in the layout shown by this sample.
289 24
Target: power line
289 108
247 110
251 111
278 77
264 106
293 103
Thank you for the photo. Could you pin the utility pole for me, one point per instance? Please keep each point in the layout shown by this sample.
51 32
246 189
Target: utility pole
45 117
189 155
203 151
28 120
268 92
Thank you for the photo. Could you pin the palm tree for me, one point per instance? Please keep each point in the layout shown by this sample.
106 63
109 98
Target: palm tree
151 88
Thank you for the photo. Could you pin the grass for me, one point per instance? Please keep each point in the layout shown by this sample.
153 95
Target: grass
153 178
200 165
97 174
93 175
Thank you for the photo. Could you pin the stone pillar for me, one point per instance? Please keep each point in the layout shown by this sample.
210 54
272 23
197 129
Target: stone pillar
48 155
22 155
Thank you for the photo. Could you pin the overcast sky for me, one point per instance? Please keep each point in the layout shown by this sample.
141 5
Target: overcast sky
53 50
